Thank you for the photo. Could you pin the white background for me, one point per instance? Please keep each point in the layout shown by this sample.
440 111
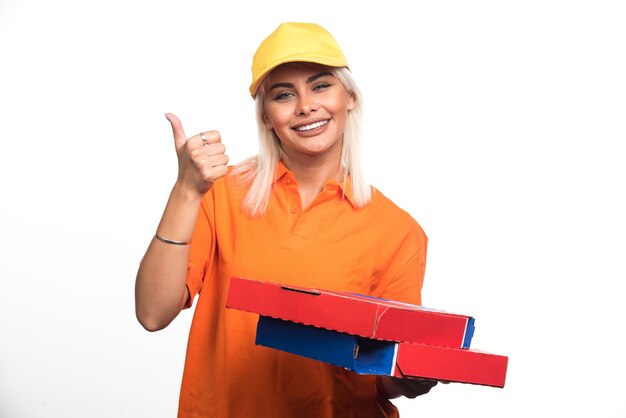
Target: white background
498 125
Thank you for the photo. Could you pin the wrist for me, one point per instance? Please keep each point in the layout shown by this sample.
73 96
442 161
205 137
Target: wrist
170 241
185 194
179 218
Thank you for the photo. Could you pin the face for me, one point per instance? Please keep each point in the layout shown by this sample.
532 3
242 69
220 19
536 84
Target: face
307 107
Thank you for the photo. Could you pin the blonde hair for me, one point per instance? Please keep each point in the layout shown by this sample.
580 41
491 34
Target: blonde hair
259 171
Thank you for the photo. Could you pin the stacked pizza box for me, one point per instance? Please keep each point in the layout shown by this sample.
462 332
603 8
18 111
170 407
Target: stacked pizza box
365 334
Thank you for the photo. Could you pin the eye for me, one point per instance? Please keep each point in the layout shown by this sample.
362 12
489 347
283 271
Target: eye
283 95
322 85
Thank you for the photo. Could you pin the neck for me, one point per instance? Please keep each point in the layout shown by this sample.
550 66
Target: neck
312 173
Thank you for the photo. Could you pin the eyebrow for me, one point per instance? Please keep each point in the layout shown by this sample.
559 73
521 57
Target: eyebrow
308 80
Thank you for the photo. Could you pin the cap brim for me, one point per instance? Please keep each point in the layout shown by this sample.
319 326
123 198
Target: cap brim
322 60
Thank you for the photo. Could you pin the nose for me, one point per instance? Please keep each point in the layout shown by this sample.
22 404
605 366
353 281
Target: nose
306 104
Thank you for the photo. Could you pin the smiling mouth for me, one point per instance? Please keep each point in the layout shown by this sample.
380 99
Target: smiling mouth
314 125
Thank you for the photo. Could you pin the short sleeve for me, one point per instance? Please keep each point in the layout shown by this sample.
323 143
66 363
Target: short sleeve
404 275
202 251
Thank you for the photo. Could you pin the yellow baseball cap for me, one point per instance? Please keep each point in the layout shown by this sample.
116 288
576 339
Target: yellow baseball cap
295 42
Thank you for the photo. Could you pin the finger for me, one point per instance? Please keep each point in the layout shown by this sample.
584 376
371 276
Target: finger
204 139
217 160
210 174
177 130
426 382
412 388
220 171
206 163
209 137
214 149
203 154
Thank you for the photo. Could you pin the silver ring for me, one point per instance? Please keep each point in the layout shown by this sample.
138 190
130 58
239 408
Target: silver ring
204 141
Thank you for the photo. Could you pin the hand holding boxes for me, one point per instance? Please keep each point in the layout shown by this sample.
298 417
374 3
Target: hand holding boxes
367 335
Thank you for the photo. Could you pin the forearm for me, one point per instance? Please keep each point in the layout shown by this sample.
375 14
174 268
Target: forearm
160 290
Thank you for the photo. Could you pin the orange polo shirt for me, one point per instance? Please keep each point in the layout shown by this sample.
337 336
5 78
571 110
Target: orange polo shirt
378 250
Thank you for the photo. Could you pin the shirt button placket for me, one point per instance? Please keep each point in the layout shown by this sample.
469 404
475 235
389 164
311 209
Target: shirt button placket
293 194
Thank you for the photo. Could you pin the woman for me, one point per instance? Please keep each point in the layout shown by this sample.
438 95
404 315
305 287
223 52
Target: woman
300 213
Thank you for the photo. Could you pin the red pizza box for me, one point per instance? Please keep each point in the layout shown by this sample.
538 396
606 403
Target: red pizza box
365 316
376 357
451 364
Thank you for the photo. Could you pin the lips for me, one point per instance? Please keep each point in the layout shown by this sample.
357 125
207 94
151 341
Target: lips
311 126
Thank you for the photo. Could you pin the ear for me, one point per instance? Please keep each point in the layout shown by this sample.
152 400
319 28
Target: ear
351 102
266 121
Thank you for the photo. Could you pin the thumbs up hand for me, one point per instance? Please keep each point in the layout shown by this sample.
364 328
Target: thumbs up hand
201 158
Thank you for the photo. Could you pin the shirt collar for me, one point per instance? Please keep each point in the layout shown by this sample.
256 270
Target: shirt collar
344 189
281 171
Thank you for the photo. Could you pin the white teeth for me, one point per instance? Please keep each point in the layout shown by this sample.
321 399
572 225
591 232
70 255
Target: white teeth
312 126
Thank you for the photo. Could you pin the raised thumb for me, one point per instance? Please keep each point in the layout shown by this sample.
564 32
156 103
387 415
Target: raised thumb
177 129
